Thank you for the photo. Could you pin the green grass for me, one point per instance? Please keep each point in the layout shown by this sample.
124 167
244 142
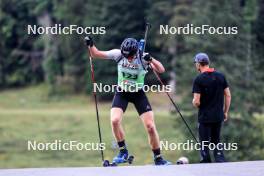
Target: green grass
27 114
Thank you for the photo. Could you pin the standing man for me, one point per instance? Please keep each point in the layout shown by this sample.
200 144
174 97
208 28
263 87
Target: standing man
211 95
132 68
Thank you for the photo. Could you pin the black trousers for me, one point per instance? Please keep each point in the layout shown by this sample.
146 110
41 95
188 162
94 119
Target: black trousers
210 133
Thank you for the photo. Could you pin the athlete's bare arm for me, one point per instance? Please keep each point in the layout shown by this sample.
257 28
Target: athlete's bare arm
95 53
157 66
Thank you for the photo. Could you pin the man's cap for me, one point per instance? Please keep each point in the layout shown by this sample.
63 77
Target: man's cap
201 57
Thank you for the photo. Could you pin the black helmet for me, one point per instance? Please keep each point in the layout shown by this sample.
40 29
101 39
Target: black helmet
129 47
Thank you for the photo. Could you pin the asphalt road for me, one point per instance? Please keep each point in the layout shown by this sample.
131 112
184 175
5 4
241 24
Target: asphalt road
247 168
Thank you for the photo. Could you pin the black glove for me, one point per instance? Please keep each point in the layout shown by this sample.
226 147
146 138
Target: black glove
147 57
89 41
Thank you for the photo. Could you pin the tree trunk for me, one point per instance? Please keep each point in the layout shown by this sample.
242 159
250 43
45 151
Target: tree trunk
172 50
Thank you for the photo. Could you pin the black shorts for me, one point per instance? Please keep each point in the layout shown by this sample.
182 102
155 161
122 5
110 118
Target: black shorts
139 99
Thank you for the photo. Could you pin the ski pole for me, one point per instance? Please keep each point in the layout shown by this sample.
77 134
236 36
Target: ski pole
161 82
147 26
96 106
176 107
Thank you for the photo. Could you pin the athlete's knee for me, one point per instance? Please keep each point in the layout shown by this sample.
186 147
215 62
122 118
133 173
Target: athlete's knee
115 120
116 116
148 120
151 128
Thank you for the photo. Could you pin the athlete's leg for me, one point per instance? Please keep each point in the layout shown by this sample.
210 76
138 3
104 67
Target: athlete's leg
147 116
116 119
148 121
119 106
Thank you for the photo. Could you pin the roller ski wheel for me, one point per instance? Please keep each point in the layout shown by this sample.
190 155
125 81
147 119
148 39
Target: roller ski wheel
130 159
106 163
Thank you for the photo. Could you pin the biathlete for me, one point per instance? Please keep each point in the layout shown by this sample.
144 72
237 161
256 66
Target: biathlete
132 68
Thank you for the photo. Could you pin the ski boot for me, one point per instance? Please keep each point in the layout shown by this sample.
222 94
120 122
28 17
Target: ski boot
123 157
158 160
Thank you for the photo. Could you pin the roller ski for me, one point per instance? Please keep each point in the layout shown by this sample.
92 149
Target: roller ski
122 157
